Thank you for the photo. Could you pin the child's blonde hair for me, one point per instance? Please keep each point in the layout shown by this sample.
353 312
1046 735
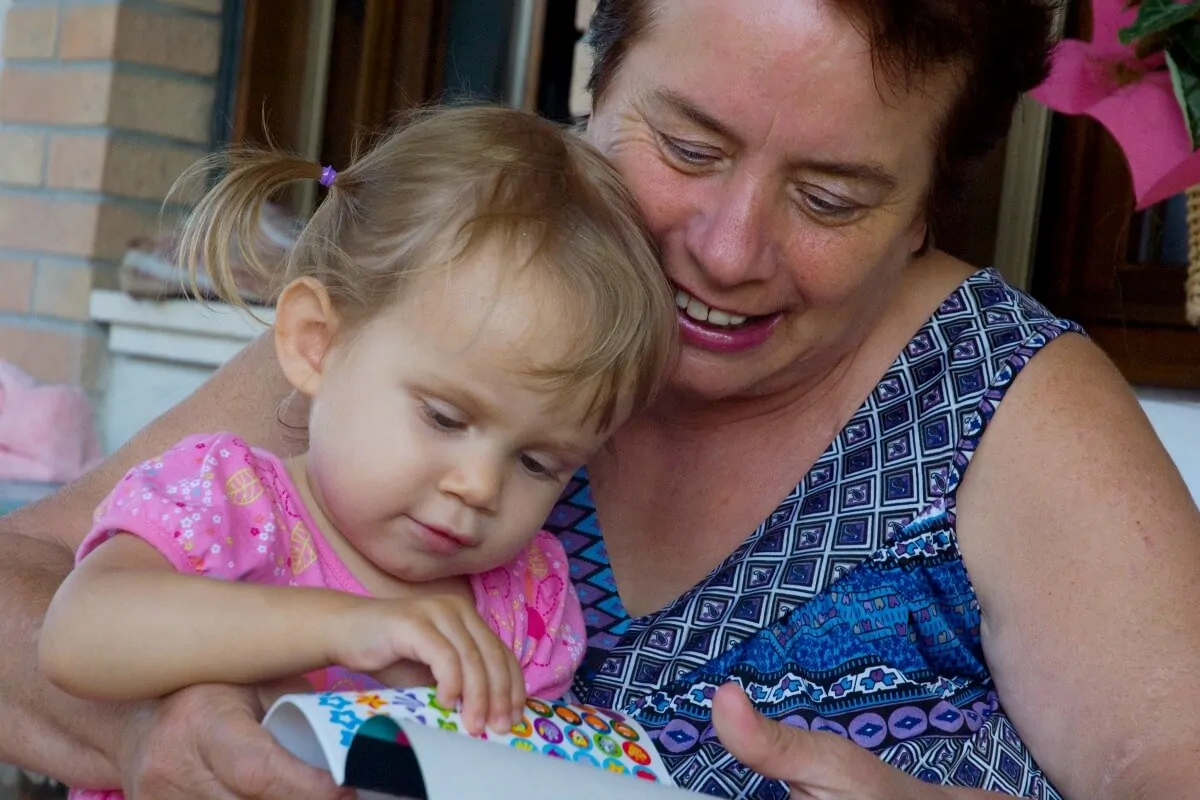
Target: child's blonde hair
442 185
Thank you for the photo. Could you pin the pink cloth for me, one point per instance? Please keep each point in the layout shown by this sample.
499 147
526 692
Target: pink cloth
214 506
46 431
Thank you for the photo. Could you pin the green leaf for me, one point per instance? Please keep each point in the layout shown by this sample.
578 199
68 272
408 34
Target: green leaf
1184 41
1186 83
1155 16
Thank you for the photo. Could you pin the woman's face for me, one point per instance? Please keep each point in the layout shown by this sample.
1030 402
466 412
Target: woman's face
784 178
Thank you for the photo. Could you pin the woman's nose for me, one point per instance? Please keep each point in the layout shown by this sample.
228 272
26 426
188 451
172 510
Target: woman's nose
728 237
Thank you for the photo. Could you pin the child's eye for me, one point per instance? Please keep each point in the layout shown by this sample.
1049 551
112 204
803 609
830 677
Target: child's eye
536 467
440 419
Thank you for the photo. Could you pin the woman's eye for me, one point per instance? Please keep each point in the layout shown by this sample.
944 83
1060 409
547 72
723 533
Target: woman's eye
688 154
440 419
823 206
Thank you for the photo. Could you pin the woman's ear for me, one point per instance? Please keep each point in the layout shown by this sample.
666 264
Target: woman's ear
305 325
922 240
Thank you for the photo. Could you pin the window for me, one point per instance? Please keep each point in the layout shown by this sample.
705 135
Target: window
314 75
1118 273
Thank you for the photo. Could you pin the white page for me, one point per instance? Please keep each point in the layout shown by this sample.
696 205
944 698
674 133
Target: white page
374 736
457 767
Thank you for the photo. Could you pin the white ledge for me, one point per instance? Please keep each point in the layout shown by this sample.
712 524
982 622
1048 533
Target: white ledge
175 330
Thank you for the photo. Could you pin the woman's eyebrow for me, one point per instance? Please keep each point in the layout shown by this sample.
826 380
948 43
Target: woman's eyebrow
674 102
870 173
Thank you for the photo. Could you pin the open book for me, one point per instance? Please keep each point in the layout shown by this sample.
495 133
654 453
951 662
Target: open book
402 743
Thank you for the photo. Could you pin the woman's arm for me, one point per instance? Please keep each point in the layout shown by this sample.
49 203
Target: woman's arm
1084 547
45 729
126 626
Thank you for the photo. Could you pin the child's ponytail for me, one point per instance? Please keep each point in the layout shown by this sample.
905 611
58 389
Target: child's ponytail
224 228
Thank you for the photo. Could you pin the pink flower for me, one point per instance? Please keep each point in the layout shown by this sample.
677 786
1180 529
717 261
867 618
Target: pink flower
1131 97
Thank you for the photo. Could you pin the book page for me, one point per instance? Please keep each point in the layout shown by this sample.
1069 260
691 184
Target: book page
443 766
327 729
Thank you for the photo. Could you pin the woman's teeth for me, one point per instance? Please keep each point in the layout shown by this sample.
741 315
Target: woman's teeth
702 313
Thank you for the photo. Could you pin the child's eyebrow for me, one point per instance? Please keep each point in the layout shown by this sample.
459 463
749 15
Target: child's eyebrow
569 450
469 401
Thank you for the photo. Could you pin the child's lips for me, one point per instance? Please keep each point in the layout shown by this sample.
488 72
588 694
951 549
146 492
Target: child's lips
442 540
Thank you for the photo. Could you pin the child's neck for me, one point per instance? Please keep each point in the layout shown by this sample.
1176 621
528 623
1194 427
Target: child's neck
373 579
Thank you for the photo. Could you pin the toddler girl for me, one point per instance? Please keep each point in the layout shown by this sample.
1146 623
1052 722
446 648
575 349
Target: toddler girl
471 310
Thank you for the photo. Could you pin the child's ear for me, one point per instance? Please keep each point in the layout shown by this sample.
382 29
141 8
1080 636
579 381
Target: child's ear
305 324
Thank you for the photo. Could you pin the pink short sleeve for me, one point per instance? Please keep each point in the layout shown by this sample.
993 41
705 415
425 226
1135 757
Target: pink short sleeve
202 505
532 606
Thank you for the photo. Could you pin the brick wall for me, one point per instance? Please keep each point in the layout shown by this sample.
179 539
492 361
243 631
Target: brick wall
102 105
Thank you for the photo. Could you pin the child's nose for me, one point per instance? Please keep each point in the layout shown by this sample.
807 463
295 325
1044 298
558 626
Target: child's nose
476 483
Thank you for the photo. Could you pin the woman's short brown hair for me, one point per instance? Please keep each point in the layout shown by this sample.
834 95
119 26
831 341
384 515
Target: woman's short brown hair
999 47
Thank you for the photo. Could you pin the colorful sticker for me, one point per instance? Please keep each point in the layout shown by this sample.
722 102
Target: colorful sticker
567 715
607 746
612 765
548 731
596 723
579 739
524 744
625 731
539 708
586 758
637 753
555 751
645 774
522 728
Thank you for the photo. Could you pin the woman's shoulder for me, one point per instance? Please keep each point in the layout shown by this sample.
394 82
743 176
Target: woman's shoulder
983 295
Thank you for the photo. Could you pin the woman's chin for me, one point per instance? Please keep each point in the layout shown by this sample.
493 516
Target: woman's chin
697 380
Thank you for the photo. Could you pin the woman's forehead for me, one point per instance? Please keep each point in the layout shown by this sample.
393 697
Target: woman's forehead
798 71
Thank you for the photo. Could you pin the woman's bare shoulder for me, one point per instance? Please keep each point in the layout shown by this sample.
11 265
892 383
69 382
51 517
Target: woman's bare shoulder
1082 542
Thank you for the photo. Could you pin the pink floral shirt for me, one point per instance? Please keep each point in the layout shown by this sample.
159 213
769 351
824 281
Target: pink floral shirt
214 506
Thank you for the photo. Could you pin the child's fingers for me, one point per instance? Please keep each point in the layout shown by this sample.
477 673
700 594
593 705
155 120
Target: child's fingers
517 688
475 691
497 659
433 648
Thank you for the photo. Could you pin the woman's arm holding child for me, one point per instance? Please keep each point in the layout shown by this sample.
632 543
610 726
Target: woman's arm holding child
126 625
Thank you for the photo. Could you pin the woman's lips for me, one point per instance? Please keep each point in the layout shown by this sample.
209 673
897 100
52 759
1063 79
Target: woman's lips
710 328
704 336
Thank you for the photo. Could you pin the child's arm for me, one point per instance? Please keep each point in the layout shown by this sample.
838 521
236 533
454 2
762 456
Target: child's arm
126 625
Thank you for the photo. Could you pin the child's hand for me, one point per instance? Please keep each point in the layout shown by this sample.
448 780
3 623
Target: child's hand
446 633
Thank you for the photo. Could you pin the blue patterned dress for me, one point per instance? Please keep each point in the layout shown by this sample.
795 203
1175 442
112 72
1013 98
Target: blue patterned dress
848 609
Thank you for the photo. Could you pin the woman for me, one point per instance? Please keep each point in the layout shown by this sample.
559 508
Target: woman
788 154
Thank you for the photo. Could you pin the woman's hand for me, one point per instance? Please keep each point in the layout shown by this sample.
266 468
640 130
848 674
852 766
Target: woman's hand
206 743
446 633
817 766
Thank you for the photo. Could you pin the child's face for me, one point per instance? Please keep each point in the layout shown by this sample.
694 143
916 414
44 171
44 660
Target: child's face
431 450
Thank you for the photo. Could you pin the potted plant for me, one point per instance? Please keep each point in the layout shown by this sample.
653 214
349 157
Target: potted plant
1139 77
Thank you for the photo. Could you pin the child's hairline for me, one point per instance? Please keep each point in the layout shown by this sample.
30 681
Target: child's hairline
604 405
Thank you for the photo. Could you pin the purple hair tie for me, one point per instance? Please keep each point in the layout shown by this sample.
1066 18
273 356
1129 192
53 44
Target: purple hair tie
327 176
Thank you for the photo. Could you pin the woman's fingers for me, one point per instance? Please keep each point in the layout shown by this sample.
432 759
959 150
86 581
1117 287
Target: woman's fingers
822 766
